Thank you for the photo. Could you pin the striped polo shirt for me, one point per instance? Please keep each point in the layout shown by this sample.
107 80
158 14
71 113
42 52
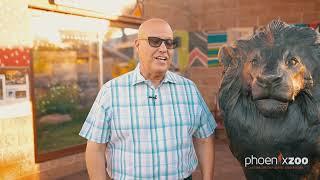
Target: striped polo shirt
149 130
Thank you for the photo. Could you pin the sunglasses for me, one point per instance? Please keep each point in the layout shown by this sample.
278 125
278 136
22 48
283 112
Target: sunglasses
156 42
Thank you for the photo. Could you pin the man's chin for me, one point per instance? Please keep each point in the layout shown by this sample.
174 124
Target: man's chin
160 68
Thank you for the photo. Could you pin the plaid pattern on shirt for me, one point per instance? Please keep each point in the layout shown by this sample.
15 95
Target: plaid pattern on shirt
148 137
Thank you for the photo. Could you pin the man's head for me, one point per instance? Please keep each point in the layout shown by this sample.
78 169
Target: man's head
154 53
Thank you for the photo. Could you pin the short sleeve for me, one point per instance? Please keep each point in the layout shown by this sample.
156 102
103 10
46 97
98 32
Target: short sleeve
97 124
207 122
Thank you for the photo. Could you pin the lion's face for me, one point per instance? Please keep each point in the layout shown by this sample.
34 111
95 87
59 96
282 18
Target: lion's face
273 77
269 71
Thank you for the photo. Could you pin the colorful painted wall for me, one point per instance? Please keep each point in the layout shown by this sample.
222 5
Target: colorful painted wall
197 49
192 50
215 41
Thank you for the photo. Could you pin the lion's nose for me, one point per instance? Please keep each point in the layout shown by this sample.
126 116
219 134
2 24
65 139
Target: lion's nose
269 80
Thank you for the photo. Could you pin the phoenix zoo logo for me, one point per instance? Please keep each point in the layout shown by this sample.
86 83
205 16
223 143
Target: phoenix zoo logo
276 162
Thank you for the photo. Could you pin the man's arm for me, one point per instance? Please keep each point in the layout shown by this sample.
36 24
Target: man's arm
95 160
204 148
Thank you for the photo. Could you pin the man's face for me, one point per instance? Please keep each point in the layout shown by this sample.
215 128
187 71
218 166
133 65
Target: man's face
155 60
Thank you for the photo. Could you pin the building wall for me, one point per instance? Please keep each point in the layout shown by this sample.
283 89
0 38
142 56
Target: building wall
219 15
17 154
17 158
16 142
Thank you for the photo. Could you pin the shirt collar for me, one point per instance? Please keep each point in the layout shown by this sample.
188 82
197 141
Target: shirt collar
138 78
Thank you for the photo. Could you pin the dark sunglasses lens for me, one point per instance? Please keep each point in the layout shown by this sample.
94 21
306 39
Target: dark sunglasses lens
170 44
154 41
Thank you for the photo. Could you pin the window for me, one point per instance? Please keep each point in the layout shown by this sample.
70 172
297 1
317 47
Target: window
65 78
13 83
72 57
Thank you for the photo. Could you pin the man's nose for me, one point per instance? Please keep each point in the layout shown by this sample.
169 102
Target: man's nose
162 46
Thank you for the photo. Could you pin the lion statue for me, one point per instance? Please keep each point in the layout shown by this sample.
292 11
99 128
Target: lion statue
269 98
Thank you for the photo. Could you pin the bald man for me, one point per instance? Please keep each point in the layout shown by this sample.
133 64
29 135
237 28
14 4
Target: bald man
150 123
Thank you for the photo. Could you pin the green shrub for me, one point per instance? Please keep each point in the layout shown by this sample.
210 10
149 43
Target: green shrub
62 99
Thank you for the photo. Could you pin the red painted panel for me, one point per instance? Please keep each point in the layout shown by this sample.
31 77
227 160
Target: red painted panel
15 57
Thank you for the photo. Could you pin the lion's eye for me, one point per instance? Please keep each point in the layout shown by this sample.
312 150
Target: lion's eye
254 61
292 61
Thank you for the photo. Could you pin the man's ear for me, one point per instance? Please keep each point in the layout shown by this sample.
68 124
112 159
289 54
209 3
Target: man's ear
136 44
227 56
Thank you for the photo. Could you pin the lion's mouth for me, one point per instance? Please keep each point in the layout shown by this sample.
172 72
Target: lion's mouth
276 99
272 107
